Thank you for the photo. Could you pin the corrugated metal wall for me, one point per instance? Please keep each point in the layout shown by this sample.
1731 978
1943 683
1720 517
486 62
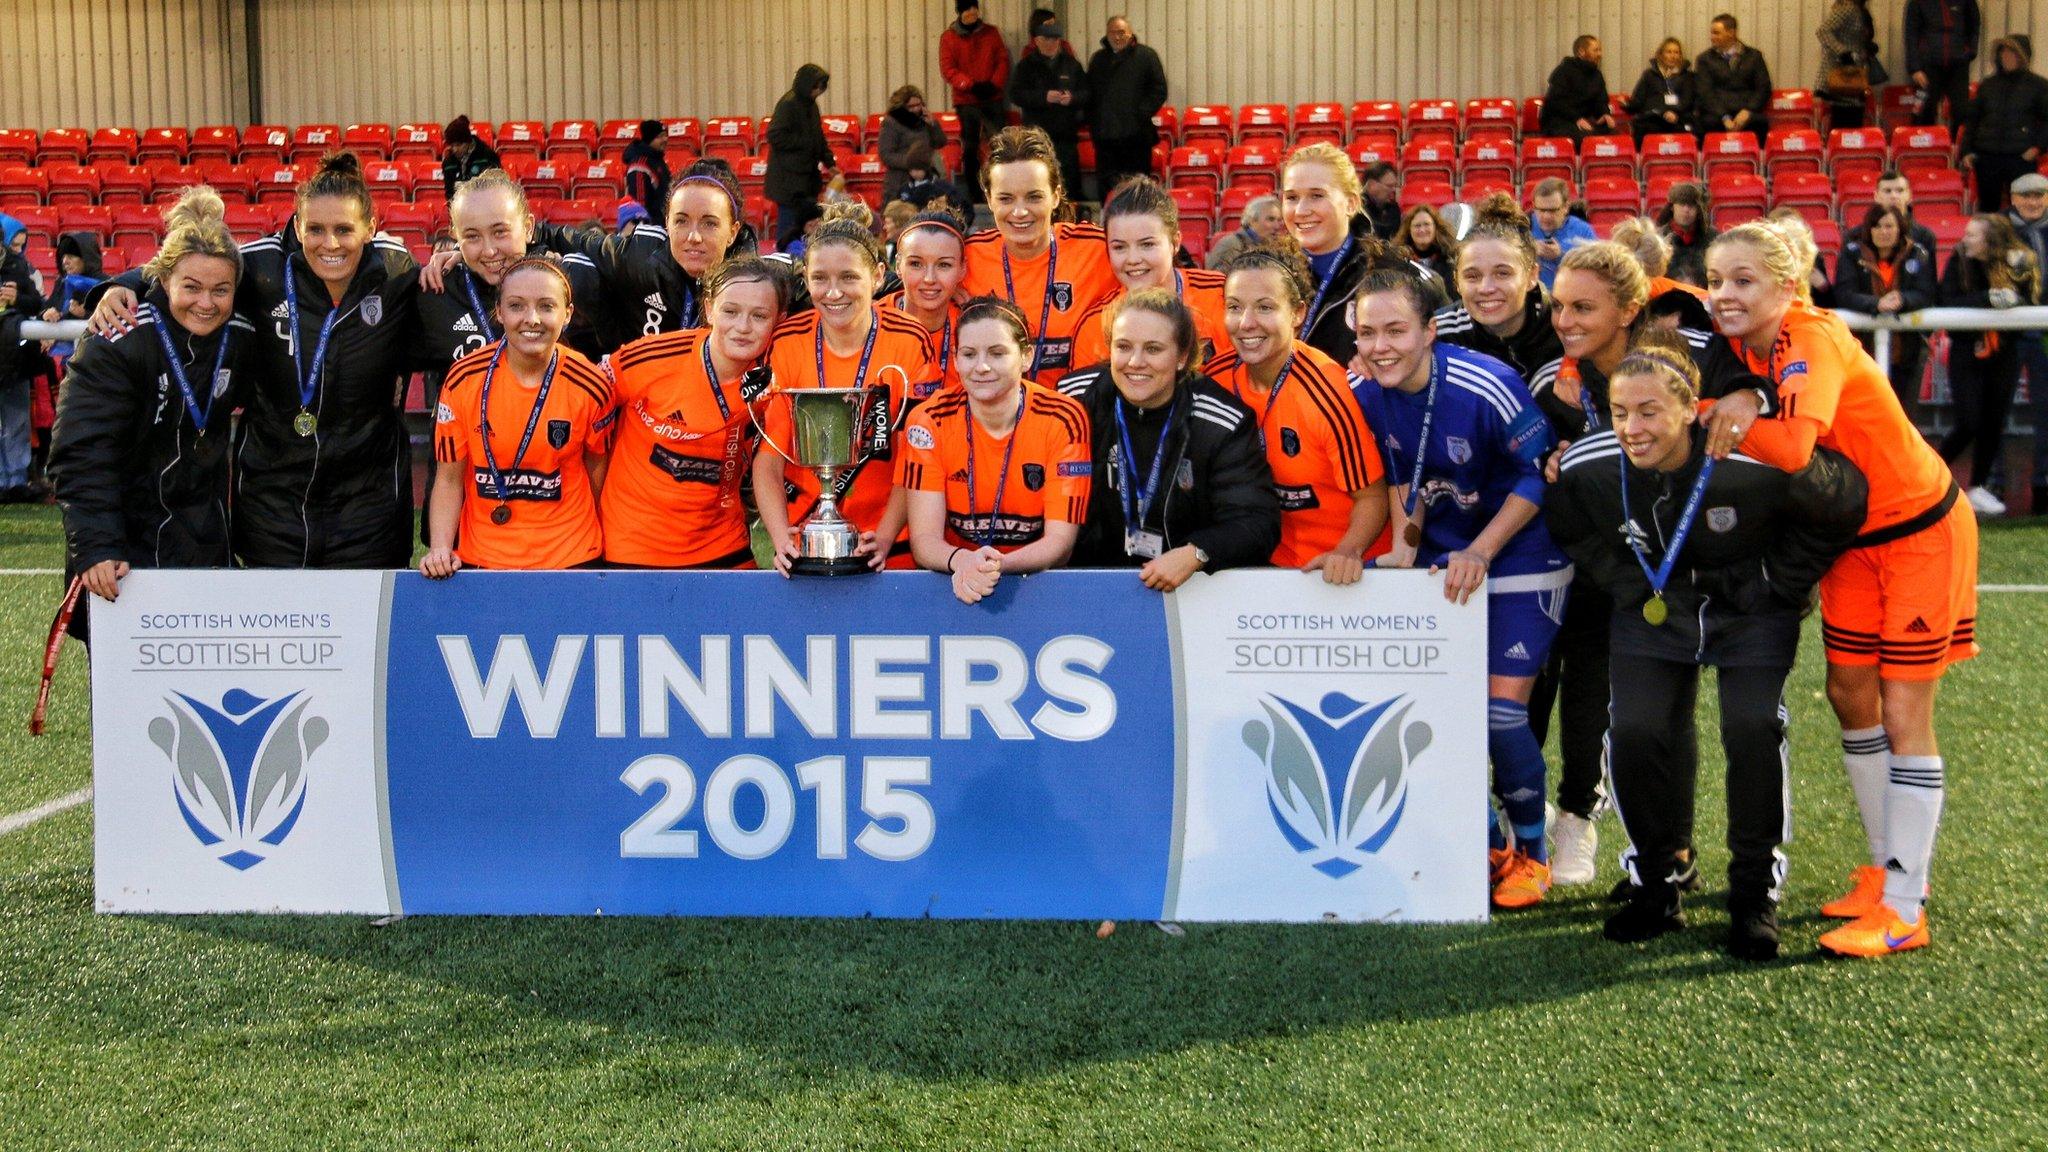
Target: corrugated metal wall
140 62
79 64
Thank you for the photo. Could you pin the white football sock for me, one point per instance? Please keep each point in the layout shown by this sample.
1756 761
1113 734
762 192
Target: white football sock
1866 756
1912 814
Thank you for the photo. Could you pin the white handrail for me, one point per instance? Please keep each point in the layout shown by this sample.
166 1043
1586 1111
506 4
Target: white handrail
73 330
2031 319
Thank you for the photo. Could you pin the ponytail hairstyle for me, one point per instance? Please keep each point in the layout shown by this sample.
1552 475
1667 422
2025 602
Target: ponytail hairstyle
547 264
1000 310
1159 302
746 270
1664 357
1015 145
1141 196
1499 218
493 180
194 226
340 174
1617 268
1282 254
848 224
1798 236
1640 236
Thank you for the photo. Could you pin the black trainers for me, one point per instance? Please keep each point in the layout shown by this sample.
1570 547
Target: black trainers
1753 929
1649 913
1624 889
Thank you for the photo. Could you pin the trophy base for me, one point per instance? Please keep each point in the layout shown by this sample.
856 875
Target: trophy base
835 566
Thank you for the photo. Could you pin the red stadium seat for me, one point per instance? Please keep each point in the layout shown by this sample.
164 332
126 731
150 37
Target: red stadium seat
137 224
1851 148
1195 206
1547 156
1917 148
1430 158
1857 191
266 144
865 177
1437 118
1607 156
63 145
126 184
24 185
1196 167
388 179
1254 165
1477 188
18 146
1235 200
570 141
1435 193
1792 149
42 223
250 221
411 141
543 179
521 138
72 184
1657 189
577 213
278 182
1491 116
174 144
94 218
1933 191
1166 120
1801 189
172 180
1487 159
410 223
312 141
369 142
214 142
1730 152
1208 125
1532 117
843 134
1794 107
1947 229
752 172
1671 154
1269 124
1614 194
235 183
1827 236
685 140
1372 150
1377 116
730 136
1737 196
614 135
1896 105
597 180
1319 121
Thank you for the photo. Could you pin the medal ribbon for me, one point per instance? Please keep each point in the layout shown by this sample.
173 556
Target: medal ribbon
867 351
540 401
199 415
711 377
476 306
1422 443
1315 306
308 385
1002 481
1662 575
1052 267
1136 504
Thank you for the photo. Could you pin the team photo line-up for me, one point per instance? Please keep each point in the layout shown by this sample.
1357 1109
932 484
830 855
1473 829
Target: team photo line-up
1646 478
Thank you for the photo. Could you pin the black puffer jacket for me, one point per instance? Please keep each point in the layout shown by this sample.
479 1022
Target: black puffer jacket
1856 286
2010 112
1128 88
1577 91
1218 489
136 479
796 141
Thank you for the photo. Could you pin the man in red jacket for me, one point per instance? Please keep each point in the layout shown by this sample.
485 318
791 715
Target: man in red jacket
976 65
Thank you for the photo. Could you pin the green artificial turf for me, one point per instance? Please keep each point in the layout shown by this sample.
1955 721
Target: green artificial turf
1529 1032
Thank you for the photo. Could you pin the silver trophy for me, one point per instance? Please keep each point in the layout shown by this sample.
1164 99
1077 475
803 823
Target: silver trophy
833 426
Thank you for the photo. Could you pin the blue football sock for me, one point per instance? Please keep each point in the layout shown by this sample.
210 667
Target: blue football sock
1518 772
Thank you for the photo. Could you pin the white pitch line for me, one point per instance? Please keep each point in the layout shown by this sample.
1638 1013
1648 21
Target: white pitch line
31 571
41 812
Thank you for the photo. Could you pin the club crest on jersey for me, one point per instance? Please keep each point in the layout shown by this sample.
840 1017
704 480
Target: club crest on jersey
1721 519
558 433
1459 449
220 383
443 414
373 310
920 437
1290 441
1034 476
1062 296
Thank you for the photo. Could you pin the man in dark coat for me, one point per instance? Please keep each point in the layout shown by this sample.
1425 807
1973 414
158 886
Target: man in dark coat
2007 126
1735 83
467 157
1575 103
798 155
1941 44
1050 87
647 174
1127 83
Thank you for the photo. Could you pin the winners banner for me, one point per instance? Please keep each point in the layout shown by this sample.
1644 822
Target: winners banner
1255 746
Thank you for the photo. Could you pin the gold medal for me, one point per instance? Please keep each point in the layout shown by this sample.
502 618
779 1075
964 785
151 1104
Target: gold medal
305 424
1412 534
1656 611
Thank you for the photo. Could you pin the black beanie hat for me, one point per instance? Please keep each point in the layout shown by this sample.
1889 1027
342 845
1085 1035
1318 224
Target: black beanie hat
458 131
649 129
960 6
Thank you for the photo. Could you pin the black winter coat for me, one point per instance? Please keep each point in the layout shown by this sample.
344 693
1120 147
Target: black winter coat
136 479
455 169
647 178
1218 489
1127 88
2009 113
796 142
1577 91
1036 76
1725 89
1327 331
1856 288
1647 106
1531 347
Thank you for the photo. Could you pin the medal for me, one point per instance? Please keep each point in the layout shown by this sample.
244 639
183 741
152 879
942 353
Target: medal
1412 507
502 514
305 423
1412 534
1656 611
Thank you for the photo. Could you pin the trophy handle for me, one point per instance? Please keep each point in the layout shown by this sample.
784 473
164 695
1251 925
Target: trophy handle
754 417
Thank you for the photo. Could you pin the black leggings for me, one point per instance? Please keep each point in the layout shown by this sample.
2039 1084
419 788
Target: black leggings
1574 680
1654 763
1982 389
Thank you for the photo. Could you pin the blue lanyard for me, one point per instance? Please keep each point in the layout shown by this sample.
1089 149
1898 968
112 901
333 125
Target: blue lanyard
1662 576
163 337
1422 443
689 307
1272 397
1139 502
540 401
308 385
711 377
1002 481
1569 369
1052 267
476 306
867 351
1316 305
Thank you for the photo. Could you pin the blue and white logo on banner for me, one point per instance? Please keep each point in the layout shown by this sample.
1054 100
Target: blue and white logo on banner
240 768
1336 777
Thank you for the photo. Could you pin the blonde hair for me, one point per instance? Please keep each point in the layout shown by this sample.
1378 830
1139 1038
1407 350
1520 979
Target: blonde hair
848 224
1615 266
1663 357
1332 157
1798 236
492 180
196 225
1640 235
1779 258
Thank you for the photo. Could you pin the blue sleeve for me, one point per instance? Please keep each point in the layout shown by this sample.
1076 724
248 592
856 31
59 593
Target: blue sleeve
1526 438
1574 233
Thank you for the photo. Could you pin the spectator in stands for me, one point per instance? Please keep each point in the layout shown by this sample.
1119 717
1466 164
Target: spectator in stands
2007 126
1684 220
1941 44
1428 240
1670 304
799 158
912 143
1261 223
1554 227
896 216
20 298
80 268
1667 96
1051 89
1848 39
1039 18
1909 349
1991 268
647 174
1575 101
2029 216
976 64
467 157
1883 271
1128 86
1895 190
1381 185
1734 82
